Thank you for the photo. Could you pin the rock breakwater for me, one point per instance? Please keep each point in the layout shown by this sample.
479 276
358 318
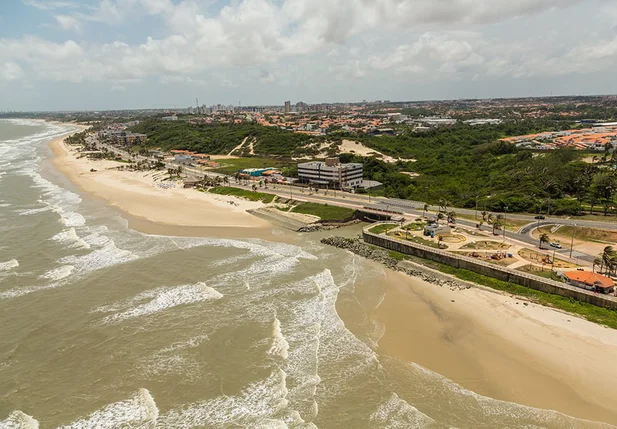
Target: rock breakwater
426 274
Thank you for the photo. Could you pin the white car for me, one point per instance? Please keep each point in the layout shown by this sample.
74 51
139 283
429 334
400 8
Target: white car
556 245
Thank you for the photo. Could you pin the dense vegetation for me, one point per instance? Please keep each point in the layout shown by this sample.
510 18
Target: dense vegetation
463 165
221 139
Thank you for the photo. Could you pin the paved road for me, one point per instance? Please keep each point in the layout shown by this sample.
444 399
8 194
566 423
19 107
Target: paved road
409 207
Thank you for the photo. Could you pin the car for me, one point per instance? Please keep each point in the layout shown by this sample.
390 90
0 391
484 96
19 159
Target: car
556 245
540 217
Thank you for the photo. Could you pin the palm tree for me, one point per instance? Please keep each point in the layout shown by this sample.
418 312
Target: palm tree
609 258
544 238
452 217
596 262
498 224
426 207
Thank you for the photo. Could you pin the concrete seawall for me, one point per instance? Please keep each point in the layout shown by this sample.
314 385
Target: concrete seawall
490 270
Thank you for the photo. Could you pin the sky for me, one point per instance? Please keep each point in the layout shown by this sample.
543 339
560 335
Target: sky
130 54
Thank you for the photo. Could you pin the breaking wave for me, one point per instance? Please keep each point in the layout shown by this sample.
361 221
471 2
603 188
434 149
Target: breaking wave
159 300
9 265
139 411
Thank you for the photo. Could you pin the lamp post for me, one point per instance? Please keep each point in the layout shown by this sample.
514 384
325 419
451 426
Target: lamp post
505 220
572 242
476 215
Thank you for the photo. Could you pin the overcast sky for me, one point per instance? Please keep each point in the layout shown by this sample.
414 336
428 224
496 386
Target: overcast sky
106 54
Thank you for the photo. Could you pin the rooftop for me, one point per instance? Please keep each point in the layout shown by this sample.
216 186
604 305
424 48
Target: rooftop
590 279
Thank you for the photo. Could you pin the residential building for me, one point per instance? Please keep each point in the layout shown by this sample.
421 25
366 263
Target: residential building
590 281
331 173
287 106
124 138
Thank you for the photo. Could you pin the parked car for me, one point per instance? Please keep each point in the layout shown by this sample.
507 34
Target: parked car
540 217
556 245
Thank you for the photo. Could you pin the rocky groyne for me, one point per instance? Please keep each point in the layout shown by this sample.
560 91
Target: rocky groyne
426 274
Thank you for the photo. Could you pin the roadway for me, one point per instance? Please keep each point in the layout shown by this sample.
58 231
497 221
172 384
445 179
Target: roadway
408 207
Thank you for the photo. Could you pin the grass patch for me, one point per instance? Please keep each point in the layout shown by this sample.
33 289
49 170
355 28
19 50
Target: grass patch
547 274
584 234
600 315
231 166
380 229
242 193
325 212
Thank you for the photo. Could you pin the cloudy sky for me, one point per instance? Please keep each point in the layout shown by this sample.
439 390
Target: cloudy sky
106 54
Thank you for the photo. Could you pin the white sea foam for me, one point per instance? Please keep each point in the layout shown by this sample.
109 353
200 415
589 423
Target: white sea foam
259 403
19 420
395 413
161 299
139 411
107 256
58 273
72 219
25 290
280 346
69 237
9 265
30 212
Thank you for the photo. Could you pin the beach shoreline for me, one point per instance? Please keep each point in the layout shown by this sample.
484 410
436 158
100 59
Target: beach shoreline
492 344
501 346
149 207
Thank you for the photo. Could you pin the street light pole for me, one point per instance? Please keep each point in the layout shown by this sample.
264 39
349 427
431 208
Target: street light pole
572 242
505 221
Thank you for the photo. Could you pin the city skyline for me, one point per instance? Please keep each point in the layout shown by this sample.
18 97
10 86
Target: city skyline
143 54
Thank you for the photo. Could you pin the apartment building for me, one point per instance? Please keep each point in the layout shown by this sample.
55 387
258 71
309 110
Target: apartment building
331 173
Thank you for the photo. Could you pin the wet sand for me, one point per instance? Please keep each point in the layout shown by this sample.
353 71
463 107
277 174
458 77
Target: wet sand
498 347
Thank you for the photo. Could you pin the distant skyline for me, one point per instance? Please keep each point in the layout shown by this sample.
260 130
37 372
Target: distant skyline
132 54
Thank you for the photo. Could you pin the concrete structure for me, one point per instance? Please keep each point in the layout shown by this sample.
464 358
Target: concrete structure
590 281
331 173
489 270
169 118
127 139
287 106
435 229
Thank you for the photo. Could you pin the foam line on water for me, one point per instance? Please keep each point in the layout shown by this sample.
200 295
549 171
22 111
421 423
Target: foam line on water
58 273
9 265
280 346
160 299
139 411
19 420
258 403
396 413
25 290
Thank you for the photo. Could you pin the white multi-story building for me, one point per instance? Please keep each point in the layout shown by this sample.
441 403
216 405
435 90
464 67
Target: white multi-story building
331 173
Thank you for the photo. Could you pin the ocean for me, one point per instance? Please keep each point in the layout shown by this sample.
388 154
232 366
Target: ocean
102 326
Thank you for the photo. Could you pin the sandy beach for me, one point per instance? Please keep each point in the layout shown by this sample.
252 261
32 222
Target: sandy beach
489 343
502 347
149 205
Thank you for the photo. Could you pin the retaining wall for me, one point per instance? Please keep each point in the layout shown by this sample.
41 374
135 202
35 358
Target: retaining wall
489 270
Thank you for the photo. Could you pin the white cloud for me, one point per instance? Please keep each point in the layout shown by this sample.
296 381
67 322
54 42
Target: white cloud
345 39
67 22
10 72
50 5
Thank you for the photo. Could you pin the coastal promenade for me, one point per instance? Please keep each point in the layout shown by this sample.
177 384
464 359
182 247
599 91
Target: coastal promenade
487 269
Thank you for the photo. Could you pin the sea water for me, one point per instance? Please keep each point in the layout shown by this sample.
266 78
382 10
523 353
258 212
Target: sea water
105 327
